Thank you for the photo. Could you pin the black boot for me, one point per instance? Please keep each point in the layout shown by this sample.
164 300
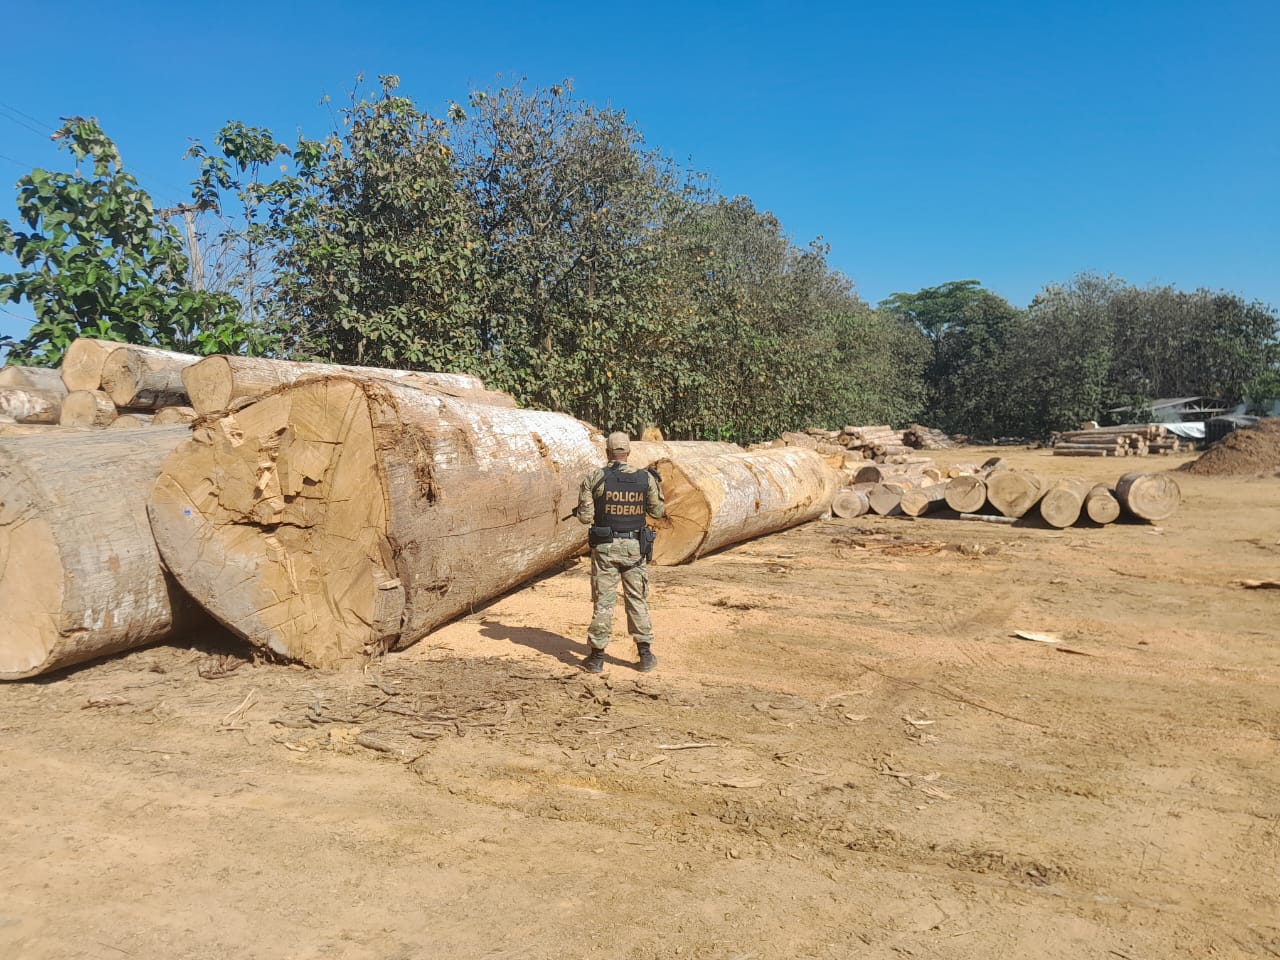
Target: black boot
647 660
594 662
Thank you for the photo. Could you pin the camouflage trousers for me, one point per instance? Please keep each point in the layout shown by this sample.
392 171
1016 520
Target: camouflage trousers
611 562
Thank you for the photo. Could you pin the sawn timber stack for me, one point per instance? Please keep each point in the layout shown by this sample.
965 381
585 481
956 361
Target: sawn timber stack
341 516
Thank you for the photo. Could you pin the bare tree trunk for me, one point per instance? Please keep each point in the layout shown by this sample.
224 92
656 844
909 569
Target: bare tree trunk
29 405
33 378
1149 496
88 408
145 378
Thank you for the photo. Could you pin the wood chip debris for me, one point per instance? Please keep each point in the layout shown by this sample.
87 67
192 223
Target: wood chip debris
1035 637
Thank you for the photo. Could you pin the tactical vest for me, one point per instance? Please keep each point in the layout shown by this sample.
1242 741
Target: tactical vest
620 500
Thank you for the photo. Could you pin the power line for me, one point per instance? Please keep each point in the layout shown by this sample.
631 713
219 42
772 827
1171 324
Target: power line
22 113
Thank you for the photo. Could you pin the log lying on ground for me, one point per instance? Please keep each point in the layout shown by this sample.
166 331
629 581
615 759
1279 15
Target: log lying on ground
1014 492
130 421
922 500
33 378
88 408
1148 496
966 494
81 576
82 363
885 499
1061 504
849 504
145 378
25 405
342 516
216 383
1100 505
716 501
647 452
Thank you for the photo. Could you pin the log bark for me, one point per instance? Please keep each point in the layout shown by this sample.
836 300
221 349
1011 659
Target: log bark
130 421
81 577
966 494
849 504
216 383
82 363
145 378
168 416
33 378
1148 496
918 502
25 405
1101 506
716 501
342 516
1014 492
647 452
88 408
1061 504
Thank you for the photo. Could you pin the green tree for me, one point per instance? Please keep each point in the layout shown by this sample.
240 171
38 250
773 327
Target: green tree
97 261
969 330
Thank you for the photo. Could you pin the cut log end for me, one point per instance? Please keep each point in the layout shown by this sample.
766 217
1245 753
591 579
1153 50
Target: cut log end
289 488
688 516
1149 496
966 494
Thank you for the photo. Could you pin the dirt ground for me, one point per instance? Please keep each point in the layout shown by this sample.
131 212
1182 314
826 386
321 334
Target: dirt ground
844 752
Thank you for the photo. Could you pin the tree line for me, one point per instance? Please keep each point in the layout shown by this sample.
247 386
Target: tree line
535 240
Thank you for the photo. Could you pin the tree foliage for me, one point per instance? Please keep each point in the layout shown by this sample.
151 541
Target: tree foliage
97 261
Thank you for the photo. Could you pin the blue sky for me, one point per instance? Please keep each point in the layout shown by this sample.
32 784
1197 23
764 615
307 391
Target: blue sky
1012 142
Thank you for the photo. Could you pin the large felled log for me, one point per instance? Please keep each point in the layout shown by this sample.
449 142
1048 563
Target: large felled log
216 383
145 377
885 499
341 515
966 494
1061 504
88 408
33 378
922 500
80 575
130 421
10 429
25 405
1148 496
1014 492
716 501
849 504
646 452
1100 505
82 363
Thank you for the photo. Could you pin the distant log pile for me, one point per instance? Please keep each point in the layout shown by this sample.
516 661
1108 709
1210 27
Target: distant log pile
1132 440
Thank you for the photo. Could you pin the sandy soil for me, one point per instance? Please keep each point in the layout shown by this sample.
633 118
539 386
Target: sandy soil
844 752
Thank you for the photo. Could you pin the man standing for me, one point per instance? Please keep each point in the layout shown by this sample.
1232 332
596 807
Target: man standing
614 500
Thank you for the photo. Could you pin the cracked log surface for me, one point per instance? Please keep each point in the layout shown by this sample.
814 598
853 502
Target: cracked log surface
79 572
343 516
216 383
719 500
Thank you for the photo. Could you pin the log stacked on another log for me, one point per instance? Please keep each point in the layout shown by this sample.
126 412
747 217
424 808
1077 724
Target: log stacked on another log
926 438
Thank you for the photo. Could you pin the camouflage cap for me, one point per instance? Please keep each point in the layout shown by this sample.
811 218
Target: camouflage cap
618 442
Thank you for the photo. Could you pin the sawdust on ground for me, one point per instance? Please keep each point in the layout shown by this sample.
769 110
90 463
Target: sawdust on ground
845 751
1253 451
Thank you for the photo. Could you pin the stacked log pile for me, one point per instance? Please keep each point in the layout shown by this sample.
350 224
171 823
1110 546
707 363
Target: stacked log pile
926 438
1133 440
